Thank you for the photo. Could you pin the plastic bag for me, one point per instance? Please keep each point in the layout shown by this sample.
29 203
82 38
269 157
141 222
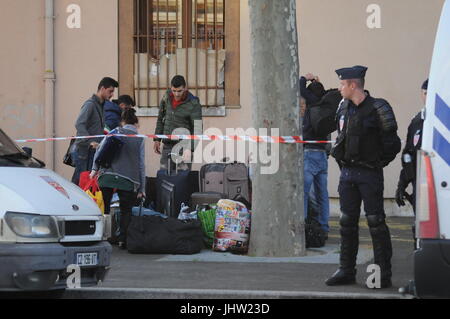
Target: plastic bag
232 227
207 218
185 214
93 190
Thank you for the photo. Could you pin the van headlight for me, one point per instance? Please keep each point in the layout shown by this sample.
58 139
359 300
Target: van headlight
32 226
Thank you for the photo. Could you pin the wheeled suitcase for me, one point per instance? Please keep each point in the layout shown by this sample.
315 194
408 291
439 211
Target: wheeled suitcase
111 229
150 192
205 198
230 179
174 189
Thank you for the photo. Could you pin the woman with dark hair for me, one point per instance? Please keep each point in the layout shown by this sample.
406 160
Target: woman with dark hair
126 174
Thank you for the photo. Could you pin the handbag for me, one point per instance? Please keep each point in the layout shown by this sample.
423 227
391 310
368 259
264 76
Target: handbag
67 159
93 190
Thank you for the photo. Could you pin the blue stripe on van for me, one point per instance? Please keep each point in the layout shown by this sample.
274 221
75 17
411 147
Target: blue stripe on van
442 111
441 146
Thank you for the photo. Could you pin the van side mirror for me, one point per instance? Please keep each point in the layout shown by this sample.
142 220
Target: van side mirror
28 150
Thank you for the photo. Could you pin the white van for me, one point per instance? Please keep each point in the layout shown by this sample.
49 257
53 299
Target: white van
46 224
432 259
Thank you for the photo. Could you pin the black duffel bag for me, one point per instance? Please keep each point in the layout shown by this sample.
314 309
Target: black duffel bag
159 235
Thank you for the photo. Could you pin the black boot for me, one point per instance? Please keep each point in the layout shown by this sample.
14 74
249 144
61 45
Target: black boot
346 274
342 277
382 248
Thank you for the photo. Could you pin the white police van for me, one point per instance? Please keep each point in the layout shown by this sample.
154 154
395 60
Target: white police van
432 259
46 224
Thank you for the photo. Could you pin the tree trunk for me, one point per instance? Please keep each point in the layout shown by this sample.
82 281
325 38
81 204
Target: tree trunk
277 219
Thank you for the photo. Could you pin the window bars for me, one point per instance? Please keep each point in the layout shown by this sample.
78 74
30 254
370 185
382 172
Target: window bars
183 37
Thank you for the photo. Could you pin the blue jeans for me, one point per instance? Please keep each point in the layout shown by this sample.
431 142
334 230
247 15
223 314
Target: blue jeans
82 163
316 173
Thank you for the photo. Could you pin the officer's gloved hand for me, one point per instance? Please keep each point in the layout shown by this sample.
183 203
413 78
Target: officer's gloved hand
409 198
400 195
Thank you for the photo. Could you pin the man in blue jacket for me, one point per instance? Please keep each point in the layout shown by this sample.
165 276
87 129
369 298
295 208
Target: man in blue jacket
113 111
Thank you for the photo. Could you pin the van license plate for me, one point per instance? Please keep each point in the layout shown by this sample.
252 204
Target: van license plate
87 259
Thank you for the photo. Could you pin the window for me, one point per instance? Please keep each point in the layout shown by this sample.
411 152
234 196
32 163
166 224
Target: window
198 39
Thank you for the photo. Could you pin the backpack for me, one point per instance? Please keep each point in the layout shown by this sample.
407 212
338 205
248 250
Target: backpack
109 150
315 236
323 113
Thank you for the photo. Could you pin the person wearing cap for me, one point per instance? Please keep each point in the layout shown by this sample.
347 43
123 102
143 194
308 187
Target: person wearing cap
409 156
367 141
113 111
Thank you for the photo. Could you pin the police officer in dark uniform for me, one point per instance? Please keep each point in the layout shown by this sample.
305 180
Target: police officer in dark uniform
409 156
367 141
409 159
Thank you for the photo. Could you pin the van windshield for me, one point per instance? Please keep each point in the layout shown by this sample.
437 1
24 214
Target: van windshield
13 155
7 146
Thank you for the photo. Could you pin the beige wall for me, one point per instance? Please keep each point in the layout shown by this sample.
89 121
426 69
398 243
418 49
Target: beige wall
332 34
22 70
82 58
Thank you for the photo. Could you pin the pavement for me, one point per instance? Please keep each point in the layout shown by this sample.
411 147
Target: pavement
215 275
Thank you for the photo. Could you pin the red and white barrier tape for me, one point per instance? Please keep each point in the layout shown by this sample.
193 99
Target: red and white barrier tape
244 138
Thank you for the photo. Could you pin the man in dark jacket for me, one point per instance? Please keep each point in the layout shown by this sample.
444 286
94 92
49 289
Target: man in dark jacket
114 109
409 156
91 121
315 155
179 113
409 159
367 141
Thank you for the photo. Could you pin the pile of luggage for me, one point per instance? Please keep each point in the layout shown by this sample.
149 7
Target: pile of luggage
186 211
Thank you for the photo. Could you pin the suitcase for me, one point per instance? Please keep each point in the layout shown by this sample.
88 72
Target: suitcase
174 189
205 198
150 192
112 221
230 179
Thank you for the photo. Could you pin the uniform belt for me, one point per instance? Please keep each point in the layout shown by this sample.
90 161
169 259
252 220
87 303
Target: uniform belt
360 165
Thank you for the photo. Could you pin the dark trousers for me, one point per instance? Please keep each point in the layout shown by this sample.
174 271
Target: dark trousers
127 200
82 164
359 185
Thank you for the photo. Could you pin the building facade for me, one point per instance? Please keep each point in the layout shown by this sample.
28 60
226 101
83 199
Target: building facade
55 52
